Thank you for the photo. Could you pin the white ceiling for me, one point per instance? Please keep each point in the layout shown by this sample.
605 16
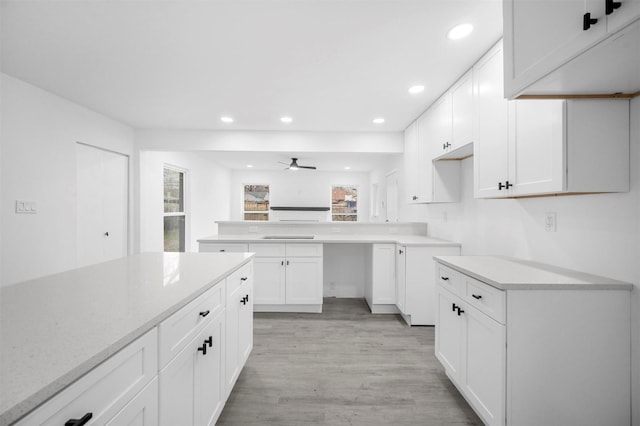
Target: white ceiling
332 65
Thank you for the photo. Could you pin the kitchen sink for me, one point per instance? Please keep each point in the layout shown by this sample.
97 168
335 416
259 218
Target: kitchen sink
288 237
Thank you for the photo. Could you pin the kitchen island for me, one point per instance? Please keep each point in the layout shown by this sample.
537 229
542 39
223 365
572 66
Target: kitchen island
57 329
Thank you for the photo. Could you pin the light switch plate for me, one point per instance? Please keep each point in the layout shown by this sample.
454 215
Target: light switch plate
550 222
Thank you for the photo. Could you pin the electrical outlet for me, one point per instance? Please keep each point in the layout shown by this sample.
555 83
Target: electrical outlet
29 207
550 222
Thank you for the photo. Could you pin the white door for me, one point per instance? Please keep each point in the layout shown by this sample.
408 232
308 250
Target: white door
392 197
102 204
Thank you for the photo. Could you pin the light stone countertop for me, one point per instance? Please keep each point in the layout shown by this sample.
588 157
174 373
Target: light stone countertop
54 329
515 274
409 240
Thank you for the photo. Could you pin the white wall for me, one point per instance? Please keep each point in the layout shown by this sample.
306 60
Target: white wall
207 197
597 233
309 188
39 133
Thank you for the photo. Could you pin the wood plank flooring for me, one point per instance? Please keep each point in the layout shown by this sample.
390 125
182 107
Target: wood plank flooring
343 367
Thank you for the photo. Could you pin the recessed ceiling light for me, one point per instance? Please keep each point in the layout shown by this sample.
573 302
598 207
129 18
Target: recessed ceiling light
416 89
249 165
378 120
226 119
286 119
459 31
347 168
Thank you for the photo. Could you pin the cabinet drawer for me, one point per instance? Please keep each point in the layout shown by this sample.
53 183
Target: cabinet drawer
449 279
178 330
267 250
304 250
487 299
106 389
239 277
232 248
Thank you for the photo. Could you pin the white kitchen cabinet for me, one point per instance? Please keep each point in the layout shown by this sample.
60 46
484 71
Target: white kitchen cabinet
380 278
517 367
287 277
103 392
562 146
415 178
438 139
491 155
541 36
416 292
462 111
192 385
239 324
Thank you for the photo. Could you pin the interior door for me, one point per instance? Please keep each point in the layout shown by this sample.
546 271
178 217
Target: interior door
101 204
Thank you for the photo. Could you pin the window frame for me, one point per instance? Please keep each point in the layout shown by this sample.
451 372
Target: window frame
356 214
185 204
267 212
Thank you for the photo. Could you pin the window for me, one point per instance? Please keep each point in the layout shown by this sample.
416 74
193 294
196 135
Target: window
344 203
174 211
256 202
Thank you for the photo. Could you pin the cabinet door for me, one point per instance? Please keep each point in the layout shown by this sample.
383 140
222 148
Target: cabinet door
491 159
232 344
442 121
484 377
177 388
462 107
209 374
141 410
628 12
538 147
449 329
413 172
384 274
541 35
245 325
269 280
304 280
401 278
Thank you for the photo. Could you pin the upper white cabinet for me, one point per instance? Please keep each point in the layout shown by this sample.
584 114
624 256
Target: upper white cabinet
462 111
413 166
439 134
540 36
561 146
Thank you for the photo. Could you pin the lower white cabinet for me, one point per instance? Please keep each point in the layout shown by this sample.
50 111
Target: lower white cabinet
192 385
380 276
287 277
141 410
549 351
416 295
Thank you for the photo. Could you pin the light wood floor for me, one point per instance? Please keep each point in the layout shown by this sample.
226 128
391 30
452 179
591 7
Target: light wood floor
343 367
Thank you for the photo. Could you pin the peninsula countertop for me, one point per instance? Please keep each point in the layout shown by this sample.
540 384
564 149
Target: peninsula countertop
56 328
408 240
515 274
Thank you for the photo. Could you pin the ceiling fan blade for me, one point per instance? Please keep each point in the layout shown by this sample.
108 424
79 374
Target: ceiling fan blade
307 167
282 162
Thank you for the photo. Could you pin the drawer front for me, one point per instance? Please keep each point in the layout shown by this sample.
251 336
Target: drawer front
487 299
449 279
304 250
106 389
216 248
239 277
267 250
178 330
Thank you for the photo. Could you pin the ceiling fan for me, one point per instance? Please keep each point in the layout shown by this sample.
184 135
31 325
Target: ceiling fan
294 165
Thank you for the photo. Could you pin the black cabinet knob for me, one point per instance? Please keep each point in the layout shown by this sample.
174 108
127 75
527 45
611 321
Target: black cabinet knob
203 349
610 6
204 313
209 341
588 21
79 422
477 296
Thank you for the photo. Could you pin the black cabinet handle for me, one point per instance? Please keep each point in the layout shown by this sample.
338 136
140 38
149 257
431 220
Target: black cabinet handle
287 263
106 234
508 185
204 313
453 307
203 349
415 197
222 250
243 278
79 422
460 311
444 278
446 145
588 21
477 296
243 300
282 263
400 251
610 6
247 297
209 341
500 186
